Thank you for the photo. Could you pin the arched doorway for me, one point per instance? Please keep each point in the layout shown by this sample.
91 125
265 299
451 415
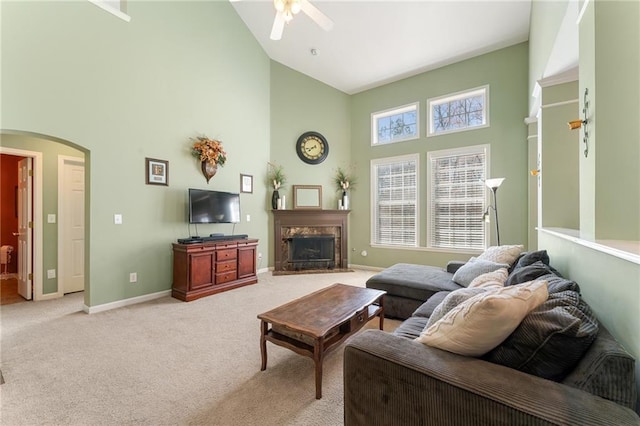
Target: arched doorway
48 154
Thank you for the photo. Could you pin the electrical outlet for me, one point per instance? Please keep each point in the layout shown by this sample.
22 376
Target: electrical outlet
259 255
133 277
248 218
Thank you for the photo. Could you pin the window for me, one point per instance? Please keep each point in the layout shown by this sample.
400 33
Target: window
457 198
459 111
394 195
116 7
395 125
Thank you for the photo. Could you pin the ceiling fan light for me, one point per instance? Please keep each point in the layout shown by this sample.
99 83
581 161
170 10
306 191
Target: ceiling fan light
295 6
288 16
279 5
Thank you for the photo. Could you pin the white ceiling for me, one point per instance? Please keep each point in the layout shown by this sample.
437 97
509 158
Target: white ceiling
377 42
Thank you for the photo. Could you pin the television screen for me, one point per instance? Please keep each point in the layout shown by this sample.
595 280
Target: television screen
213 206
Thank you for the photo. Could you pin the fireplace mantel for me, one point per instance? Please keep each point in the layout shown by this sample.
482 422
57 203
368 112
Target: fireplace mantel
310 218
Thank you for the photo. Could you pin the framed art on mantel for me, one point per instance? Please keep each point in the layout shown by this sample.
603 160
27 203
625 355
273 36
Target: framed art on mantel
157 172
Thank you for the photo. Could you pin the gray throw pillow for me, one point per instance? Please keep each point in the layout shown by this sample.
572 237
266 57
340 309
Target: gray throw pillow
551 339
452 300
474 268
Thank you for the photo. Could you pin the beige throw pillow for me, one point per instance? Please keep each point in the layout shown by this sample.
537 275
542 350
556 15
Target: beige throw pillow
481 323
495 279
502 254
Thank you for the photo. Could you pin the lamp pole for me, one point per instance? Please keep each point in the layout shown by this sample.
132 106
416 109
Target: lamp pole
495 212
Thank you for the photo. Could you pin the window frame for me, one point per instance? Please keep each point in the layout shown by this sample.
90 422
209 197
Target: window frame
466 150
374 199
450 97
375 116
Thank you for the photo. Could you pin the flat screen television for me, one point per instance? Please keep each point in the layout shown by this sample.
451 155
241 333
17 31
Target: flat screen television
213 206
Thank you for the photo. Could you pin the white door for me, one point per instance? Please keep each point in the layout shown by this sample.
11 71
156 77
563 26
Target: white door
71 212
25 224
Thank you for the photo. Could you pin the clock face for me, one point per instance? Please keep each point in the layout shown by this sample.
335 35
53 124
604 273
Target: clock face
312 148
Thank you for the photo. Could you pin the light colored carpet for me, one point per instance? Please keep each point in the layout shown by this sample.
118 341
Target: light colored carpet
166 362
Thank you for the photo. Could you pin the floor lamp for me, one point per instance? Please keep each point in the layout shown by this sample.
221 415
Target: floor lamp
493 185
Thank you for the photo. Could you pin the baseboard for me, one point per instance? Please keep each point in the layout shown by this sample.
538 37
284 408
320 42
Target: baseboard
125 302
365 267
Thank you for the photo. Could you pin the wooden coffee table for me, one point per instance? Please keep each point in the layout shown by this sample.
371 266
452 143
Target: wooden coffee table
317 323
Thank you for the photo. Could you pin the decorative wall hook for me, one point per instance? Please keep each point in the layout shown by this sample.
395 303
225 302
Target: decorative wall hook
576 124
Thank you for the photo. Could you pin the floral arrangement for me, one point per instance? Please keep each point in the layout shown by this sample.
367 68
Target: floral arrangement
344 180
209 150
276 176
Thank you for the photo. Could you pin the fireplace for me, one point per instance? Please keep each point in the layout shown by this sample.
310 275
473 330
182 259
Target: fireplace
308 241
312 251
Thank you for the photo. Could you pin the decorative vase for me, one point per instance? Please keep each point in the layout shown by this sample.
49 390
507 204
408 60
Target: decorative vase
274 199
209 169
345 200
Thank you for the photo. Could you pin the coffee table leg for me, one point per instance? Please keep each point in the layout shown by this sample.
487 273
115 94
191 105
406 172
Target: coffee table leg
318 355
263 344
381 314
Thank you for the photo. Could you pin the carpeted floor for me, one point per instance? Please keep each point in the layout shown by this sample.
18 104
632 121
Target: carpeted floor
166 362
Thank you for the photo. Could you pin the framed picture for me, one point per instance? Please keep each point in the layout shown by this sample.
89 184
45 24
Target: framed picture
307 196
157 172
246 183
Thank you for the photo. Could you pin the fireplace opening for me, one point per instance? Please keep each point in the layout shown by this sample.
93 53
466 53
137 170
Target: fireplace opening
312 252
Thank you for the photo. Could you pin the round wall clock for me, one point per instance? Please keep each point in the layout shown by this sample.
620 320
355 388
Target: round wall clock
312 148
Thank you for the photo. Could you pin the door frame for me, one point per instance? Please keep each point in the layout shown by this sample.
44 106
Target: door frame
62 161
37 219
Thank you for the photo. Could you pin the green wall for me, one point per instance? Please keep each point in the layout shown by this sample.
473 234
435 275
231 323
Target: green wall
300 104
609 177
560 169
545 21
50 151
505 71
126 91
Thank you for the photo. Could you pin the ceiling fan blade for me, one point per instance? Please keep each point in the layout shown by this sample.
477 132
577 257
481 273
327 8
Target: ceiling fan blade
315 14
278 26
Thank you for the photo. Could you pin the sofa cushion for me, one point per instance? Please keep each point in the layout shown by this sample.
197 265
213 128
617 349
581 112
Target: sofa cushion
418 282
411 327
551 339
474 268
502 254
495 279
480 323
426 309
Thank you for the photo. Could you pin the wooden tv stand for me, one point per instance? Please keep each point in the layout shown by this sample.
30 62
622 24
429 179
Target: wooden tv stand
210 267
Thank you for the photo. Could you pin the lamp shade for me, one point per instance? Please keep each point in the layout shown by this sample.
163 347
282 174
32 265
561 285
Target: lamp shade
494 183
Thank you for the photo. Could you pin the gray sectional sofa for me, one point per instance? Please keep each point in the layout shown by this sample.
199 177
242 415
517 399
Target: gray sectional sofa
570 373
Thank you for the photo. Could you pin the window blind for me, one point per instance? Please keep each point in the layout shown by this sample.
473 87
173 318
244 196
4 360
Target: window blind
395 211
457 199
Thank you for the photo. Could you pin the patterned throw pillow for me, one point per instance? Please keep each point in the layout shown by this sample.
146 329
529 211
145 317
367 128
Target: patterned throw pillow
551 339
502 254
452 300
482 322
495 279
474 268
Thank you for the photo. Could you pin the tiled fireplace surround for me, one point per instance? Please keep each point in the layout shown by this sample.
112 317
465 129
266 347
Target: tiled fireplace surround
288 223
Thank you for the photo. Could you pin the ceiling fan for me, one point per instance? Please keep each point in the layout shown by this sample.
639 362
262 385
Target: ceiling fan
285 9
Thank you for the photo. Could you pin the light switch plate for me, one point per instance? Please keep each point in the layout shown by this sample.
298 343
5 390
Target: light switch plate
51 273
51 218
117 219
